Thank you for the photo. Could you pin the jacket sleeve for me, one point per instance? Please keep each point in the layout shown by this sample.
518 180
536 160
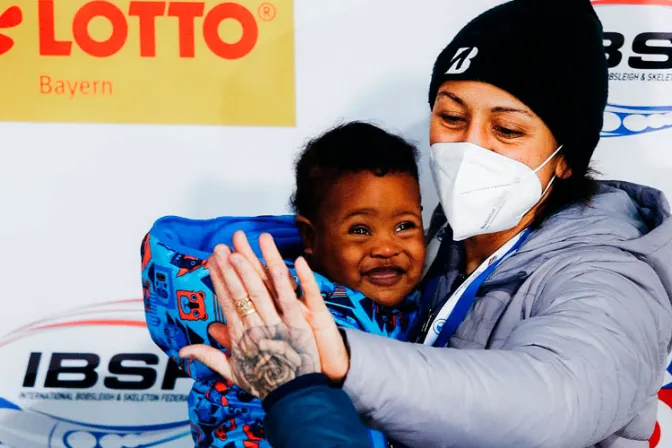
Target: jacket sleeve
213 421
307 413
590 352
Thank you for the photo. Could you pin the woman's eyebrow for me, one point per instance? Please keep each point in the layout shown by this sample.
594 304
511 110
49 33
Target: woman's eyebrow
510 109
452 96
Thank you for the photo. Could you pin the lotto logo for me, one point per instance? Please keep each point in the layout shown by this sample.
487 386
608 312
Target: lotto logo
154 62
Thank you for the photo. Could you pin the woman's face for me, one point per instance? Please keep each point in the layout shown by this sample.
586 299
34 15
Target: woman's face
480 113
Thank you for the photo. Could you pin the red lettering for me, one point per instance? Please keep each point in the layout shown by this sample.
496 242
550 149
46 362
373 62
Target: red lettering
147 12
72 88
45 84
84 87
186 12
60 87
80 28
49 46
236 12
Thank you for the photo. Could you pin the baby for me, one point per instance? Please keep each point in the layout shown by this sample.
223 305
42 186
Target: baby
358 223
358 210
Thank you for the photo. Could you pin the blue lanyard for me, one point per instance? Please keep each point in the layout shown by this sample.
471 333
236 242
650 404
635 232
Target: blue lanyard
466 300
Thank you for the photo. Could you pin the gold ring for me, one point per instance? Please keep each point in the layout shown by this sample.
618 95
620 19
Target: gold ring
244 306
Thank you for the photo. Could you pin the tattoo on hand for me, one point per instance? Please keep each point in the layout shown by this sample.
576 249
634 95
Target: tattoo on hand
268 357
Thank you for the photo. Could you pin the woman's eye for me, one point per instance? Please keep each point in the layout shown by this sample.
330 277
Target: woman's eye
359 230
507 132
405 226
452 119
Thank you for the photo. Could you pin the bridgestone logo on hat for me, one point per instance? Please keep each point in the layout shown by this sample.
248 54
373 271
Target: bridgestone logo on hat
462 60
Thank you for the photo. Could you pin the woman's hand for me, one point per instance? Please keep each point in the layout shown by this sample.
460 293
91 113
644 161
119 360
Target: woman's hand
334 357
268 349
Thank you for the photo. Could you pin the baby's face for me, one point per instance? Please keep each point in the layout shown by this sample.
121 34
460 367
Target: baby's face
369 235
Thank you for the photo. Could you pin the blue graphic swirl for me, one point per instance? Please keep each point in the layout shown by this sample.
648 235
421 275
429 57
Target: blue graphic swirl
622 121
29 427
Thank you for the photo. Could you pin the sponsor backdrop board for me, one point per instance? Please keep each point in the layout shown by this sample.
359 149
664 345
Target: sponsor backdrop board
149 62
116 112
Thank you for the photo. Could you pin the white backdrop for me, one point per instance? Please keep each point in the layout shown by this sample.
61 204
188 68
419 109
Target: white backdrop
76 199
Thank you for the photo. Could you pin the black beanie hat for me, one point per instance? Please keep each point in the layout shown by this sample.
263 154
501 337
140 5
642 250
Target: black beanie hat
547 53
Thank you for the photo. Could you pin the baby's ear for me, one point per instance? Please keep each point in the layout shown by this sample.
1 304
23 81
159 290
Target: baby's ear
307 232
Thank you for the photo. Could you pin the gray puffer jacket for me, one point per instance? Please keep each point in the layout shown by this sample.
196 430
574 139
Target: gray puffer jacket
576 327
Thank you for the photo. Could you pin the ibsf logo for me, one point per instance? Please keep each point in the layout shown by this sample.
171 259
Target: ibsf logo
146 61
91 378
638 46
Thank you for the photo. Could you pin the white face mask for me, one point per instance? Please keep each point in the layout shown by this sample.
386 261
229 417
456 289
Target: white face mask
481 191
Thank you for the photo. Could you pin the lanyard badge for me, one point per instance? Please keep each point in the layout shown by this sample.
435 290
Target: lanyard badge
455 309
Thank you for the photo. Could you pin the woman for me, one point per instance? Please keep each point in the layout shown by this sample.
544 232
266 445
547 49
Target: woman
547 316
